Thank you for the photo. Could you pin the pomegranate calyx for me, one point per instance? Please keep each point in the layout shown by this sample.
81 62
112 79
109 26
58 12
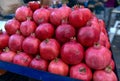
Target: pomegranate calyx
56 59
37 57
29 18
97 45
6 49
108 69
47 40
82 70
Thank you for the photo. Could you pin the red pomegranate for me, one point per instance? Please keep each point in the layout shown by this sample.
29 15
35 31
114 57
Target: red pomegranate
87 13
97 57
22 59
39 63
81 71
102 75
72 53
4 38
7 55
49 49
41 15
22 13
11 26
64 32
57 66
76 19
44 31
103 40
31 45
27 27
87 36
34 5
59 16
15 42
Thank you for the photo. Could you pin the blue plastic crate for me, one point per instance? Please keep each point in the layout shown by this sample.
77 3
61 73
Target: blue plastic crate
32 73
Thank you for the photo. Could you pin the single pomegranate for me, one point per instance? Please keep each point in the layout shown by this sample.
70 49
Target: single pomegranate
22 13
87 36
22 59
103 40
4 38
102 75
39 63
11 26
97 57
34 5
44 31
87 13
7 55
76 19
41 15
57 66
49 49
15 42
60 15
31 45
81 71
72 53
64 32
27 27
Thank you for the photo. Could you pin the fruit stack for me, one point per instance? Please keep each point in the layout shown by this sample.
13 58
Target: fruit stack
65 41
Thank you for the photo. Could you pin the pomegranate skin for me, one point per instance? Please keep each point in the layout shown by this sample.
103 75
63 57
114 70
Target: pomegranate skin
22 59
12 26
41 15
57 66
64 33
4 38
72 53
44 31
15 42
31 45
81 71
49 49
22 13
27 27
39 63
102 75
97 57
87 36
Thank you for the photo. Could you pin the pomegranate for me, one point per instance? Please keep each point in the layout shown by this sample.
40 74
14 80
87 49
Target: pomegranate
72 53
34 5
44 31
22 59
64 32
22 13
15 42
57 66
103 40
27 27
87 13
11 26
76 19
60 16
81 71
4 38
49 49
7 55
102 75
97 57
39 63
31 45
1 51
41 15
87 36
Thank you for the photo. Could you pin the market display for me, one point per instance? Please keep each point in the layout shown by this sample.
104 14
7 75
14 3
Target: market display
65 41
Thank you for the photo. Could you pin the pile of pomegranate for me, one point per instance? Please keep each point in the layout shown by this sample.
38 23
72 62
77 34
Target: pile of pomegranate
64 41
